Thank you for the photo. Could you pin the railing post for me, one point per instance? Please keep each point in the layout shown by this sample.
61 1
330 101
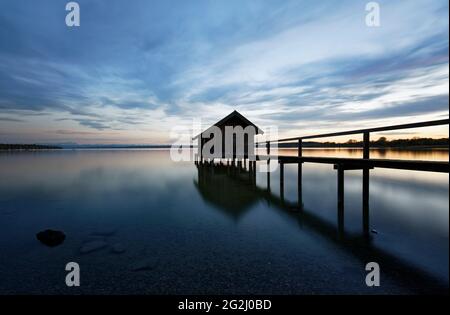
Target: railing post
366 145
300 146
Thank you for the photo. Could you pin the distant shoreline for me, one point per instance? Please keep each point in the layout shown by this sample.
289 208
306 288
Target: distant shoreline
34 147
27 147
381 143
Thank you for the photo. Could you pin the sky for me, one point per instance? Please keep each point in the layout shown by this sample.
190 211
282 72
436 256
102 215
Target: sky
141 71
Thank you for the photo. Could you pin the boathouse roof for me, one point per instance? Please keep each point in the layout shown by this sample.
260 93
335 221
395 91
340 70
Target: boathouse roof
233 119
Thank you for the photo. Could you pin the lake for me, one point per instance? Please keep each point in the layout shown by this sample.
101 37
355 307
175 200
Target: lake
138 223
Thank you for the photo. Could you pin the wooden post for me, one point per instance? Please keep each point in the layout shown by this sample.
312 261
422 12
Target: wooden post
254 172
366 145
299 176
282 181
300 194
268 165
300 147
200 145
365 193
340 197
365 190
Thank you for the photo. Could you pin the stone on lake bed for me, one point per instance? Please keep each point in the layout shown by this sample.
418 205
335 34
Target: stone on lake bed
51 238
118 248
145 264
93 246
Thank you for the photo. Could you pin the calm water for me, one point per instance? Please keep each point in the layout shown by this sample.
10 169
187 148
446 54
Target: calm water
193 230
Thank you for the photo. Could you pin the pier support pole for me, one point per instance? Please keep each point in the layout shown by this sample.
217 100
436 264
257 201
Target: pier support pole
299 192
340 197
282 181
254 172
365 198
365 190
268 165
299 176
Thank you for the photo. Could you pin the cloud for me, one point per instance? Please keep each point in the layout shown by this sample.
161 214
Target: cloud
145 67
11 119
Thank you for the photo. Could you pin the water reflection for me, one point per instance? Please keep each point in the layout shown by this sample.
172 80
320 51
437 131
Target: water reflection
438 154
216 230
230 188
233 190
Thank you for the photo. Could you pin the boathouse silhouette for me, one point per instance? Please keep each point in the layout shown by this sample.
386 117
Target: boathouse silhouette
229 151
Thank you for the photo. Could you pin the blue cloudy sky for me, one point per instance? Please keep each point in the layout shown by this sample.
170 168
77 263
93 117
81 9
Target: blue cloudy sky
136 69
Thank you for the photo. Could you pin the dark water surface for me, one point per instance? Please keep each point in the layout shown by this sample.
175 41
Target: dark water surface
166 227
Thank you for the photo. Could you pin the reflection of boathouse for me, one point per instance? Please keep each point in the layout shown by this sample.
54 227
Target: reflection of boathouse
236 139
228 188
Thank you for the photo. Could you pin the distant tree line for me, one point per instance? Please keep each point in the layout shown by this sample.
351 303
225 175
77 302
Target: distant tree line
27 147
380 143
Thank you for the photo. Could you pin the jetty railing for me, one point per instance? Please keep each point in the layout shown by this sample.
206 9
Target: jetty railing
365 132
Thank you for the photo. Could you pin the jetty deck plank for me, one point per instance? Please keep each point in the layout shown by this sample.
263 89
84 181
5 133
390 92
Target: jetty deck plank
413 165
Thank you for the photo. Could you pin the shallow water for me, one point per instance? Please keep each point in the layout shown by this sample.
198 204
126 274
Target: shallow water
193 230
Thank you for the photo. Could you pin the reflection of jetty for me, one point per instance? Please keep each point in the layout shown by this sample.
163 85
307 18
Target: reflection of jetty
340 164
231 188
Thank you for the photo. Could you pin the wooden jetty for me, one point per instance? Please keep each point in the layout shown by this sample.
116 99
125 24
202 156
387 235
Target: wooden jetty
365 163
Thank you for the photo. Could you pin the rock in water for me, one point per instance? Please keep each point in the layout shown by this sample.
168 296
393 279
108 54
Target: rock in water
51 238
93 246
118 248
